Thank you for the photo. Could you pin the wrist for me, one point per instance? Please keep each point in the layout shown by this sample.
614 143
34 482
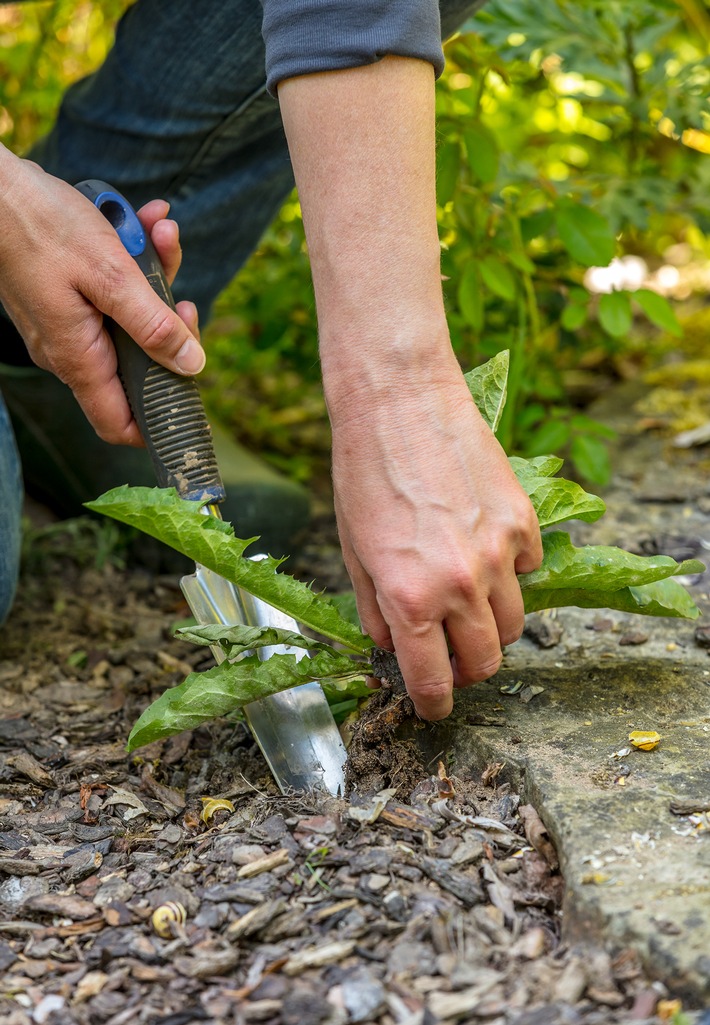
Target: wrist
372 367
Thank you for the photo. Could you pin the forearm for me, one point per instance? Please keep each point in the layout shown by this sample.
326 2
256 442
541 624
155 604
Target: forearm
9 169
362 145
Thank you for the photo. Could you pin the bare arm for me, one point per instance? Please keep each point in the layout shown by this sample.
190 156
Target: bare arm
432 522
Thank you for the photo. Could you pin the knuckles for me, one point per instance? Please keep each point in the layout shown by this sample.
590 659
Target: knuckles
485 671
159 331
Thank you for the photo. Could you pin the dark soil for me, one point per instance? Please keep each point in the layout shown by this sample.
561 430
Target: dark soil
418 899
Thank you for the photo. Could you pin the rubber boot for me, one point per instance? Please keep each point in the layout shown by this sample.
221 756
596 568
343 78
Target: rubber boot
66 464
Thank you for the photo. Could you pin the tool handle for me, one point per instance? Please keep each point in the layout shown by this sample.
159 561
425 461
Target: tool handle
167 407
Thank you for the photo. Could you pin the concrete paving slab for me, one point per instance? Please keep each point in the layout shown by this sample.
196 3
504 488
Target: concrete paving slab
636 874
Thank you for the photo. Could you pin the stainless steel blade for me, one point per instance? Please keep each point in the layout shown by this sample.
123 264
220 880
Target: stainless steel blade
295 729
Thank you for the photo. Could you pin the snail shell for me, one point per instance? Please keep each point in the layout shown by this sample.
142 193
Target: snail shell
166 917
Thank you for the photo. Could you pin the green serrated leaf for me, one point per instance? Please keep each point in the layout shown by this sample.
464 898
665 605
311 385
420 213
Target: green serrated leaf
585 234
658 310
211 542
615 313
661 598
229 686
554 499
597 576
488 385
234 640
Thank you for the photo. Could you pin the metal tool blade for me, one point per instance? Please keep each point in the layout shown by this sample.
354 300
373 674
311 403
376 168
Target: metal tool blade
295 729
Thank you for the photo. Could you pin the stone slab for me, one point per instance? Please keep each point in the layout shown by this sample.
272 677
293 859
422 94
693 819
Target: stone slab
636 875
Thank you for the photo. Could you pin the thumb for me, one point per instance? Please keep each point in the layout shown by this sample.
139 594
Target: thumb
120 290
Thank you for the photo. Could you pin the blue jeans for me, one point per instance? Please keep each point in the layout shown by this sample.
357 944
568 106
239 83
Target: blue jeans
10 513
179 110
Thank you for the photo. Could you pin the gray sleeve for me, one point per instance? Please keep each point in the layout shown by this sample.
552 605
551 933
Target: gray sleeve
304 36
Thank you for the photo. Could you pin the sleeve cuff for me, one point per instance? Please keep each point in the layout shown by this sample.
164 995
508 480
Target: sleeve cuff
306 36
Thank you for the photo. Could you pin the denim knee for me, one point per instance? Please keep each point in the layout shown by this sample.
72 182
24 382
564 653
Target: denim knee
11 493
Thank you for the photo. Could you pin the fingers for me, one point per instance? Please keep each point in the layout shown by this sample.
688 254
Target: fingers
164 234
530 557
100 394
117 287
423 657
368 609
187 312
476 629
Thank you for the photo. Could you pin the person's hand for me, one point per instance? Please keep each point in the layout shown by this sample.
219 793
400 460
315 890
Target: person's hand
434 527
62 267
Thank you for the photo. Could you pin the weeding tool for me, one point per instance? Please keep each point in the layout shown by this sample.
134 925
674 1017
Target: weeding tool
295 729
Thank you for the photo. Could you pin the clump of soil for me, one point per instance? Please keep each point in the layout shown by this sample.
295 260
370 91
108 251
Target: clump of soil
377 759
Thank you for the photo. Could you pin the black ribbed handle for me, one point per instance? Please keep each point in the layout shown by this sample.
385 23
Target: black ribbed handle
167 407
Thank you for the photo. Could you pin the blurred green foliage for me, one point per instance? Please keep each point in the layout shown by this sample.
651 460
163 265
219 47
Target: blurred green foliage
568 133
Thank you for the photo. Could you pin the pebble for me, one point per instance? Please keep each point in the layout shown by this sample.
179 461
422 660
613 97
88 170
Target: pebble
376 882
363 994
395 904
113 890
572 983
411 958
245 853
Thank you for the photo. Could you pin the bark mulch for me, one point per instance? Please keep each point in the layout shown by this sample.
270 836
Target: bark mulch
418 898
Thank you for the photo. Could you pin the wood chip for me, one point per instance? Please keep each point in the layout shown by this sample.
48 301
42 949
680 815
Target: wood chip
571 985
260 1010
334 909
450 1006
26 765
265 864
404 817
317 957
690 807
255 920
466 888
60 904
537 836
89 986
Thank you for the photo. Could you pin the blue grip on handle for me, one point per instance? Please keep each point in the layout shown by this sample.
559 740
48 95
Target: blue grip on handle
123 219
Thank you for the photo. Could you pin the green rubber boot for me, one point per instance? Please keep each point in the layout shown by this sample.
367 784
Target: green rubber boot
66 464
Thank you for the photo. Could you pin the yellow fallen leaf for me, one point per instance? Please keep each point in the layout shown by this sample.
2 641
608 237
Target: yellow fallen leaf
646 740
667 1009
595 878
210 805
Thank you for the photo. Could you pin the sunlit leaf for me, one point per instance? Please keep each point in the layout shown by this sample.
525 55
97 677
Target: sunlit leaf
585 234
615 313
591 457
658 310
470 296
573 317
597 576
488 385
553 498
497 277
482 152
448 163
